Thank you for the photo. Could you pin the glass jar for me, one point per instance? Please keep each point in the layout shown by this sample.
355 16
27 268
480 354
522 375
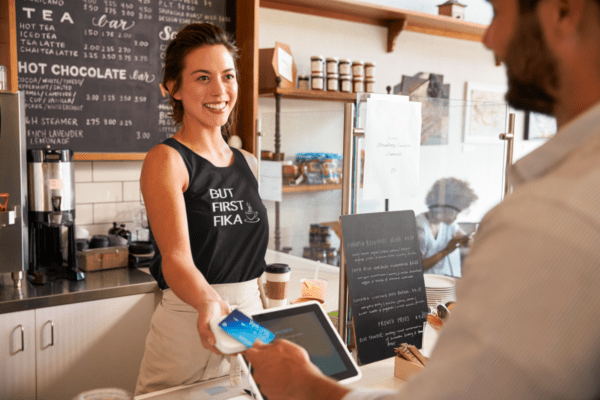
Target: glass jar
317 82
307 252
333 257
346 83
369 84
369 70
315 229
345 67
358 85
320 255
317 64
358 69
332 65
333 82
303 82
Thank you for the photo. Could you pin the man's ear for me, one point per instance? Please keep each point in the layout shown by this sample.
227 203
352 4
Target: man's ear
560 18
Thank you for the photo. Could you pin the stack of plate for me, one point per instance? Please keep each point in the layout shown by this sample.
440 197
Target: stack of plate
439 289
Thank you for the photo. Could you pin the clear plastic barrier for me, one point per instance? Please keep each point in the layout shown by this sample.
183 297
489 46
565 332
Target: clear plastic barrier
459 139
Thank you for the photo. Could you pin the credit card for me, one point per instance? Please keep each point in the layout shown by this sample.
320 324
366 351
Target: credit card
244 329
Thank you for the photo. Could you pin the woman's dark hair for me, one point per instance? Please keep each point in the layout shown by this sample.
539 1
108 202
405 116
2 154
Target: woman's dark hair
450 192
190 38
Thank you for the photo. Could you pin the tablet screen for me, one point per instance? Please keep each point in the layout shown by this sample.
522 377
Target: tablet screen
307 326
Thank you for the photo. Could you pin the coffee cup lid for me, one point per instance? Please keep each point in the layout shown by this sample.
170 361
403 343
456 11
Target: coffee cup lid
278 268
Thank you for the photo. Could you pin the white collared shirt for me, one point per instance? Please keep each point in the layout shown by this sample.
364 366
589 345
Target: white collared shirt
526 322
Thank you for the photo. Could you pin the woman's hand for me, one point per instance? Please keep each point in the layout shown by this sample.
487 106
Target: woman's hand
206 312
456 242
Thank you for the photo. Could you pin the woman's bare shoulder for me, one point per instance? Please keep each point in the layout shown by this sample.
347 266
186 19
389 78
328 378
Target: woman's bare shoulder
165 164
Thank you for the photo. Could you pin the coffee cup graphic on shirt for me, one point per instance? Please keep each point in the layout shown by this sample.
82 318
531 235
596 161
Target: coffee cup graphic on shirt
251 216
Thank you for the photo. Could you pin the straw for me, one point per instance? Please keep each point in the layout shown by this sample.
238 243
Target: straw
317 269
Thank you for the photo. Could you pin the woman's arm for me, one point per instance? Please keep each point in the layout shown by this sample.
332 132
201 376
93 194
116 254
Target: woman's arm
163 180
452 245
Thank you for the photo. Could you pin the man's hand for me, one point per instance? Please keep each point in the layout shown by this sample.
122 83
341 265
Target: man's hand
283 371
209 310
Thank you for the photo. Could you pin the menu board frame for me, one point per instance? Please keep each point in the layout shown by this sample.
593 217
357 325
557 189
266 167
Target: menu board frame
233 27
385 282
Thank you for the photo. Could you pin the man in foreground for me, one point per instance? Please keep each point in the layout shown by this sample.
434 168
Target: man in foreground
525 325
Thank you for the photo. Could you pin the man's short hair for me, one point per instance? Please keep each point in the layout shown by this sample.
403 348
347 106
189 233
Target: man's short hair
529 5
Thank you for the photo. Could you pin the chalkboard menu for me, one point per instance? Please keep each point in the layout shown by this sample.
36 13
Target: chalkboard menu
385 281
90 69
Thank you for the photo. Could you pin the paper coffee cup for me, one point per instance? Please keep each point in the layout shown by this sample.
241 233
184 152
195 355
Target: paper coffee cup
276 288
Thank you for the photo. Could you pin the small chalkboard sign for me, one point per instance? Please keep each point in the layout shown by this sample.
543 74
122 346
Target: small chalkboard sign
385 281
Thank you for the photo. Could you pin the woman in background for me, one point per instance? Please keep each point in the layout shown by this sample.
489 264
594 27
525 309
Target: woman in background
440 237
208 223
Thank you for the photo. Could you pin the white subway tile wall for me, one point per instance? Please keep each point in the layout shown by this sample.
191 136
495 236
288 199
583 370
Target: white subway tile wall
107 192
106 171
131 191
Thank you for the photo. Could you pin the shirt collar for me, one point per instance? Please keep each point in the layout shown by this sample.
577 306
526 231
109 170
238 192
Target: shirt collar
550 154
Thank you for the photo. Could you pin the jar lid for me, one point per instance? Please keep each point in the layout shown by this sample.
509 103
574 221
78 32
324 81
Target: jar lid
317 58
345 77
302 77
332 59
358 62
278 268
370 63
332 76
317 75
345 61
370 80
358 79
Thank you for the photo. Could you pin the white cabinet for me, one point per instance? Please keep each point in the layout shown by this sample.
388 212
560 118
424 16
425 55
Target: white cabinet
76 347
17 355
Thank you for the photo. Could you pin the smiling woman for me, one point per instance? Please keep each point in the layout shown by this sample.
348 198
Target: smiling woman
198 192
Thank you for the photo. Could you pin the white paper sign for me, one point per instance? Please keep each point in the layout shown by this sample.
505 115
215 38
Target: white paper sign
392 148
270 180
284 64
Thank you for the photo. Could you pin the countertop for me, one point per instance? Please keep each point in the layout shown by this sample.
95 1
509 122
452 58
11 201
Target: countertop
96 286
376 376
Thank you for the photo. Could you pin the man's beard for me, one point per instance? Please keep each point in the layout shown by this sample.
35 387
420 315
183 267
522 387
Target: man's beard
532 71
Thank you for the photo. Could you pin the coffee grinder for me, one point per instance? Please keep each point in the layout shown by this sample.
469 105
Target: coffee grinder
51 188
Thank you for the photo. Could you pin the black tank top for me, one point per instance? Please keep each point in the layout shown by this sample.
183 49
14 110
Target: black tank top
227 220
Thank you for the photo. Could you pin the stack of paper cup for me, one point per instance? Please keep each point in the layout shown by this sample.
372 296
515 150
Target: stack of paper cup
276 289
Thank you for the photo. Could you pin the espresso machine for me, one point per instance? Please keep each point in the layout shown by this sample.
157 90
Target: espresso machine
13 187
51 189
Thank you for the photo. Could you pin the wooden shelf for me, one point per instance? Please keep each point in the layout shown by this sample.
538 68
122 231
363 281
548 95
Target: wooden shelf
109 156
395 19
307 94
311 188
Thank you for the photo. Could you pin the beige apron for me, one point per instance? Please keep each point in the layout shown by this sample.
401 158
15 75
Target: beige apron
174 355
